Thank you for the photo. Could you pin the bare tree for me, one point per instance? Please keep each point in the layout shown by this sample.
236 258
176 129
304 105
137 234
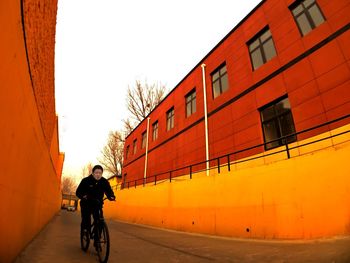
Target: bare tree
143 98
112 153
68 185
86 170
129 125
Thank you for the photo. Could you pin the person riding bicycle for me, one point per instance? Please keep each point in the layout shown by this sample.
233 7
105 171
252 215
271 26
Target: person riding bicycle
91 191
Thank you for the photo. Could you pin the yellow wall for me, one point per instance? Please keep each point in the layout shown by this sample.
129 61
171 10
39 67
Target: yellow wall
304 197
115 183
29 183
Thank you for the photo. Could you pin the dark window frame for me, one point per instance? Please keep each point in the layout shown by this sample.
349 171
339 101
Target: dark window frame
144 140
276 119
260 46
218 70
124 180
170 115
155 131
134 145
191 98
305 11
127 151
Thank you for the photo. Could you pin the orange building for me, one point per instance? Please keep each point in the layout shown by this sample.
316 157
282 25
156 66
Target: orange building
30 160
282 70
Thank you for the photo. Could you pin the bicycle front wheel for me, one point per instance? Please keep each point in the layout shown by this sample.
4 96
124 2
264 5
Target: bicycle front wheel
84 239
103 243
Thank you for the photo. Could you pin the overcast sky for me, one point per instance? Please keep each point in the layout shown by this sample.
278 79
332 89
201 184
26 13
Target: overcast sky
102 46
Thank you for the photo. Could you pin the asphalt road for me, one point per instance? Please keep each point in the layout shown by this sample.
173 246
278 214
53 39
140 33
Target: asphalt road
59 242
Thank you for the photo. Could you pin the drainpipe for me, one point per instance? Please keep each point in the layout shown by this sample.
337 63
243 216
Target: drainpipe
146 157
205 119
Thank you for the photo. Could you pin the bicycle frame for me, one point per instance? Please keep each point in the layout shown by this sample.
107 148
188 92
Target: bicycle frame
99 233
95 224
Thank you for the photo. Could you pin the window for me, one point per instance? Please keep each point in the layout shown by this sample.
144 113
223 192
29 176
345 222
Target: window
191 103
261 48
127 152
219 81
155 131
277 121
135 146
144 139
170 119
125 176
307 14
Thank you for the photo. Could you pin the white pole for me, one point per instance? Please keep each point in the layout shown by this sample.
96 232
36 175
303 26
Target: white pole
146 157
205 119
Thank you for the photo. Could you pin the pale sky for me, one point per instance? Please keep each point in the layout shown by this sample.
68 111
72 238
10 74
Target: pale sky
102 46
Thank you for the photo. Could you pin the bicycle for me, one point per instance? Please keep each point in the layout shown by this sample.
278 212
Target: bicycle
102 243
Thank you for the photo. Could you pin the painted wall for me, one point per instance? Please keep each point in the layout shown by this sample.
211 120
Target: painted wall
40 28
115 182
317 86
304 197
30 161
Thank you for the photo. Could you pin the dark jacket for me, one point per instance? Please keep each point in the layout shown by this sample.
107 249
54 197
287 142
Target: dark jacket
94 189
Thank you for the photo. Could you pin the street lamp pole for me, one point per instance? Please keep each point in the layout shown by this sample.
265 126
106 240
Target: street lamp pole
205 119
146 156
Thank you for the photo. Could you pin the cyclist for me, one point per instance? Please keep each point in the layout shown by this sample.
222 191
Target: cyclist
91 191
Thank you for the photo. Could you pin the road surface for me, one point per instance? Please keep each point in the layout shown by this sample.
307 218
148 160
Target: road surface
59 242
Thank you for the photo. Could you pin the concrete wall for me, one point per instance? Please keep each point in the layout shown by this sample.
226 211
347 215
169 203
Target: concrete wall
29 182
307 196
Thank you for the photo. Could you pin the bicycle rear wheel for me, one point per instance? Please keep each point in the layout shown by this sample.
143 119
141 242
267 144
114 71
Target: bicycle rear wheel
84 240
103 243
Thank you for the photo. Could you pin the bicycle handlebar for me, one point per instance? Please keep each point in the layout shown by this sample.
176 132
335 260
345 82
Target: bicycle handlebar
108 199
105 198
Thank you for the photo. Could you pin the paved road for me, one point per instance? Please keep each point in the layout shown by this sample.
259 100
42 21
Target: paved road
59 242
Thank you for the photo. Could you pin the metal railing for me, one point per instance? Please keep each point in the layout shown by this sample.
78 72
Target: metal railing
229 161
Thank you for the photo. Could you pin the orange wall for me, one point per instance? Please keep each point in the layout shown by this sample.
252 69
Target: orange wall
60 165
304 197
56 156
54 148
29 185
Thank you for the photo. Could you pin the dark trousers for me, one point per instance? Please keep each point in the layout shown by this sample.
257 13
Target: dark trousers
88 209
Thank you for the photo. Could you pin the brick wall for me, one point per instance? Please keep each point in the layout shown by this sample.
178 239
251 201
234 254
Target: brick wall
40 29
